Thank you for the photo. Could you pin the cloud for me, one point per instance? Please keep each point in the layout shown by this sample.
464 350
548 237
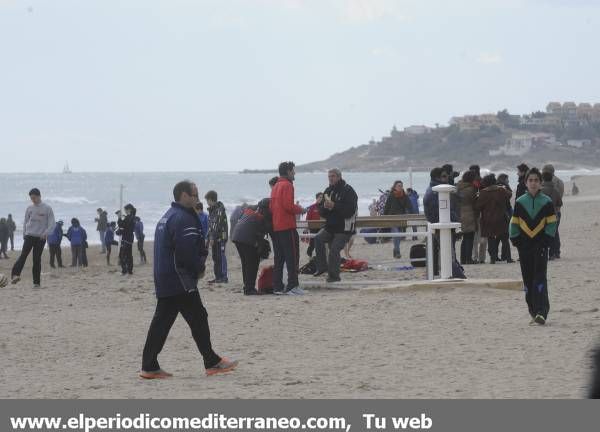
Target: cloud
358 11
489 58
383 52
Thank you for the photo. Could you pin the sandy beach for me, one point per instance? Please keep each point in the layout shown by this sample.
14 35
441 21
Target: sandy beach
81 335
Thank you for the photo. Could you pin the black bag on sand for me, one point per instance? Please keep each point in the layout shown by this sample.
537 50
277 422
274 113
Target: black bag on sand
418 251
458 272
310 267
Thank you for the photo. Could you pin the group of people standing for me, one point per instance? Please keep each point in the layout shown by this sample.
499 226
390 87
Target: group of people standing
7 233
483 208
40 227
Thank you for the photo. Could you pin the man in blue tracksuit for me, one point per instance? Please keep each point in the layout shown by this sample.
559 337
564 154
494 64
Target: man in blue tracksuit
179 257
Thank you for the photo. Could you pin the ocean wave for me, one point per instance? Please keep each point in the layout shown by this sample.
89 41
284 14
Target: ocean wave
70 200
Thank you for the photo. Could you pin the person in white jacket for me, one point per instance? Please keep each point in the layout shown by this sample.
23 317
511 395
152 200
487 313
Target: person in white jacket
39 222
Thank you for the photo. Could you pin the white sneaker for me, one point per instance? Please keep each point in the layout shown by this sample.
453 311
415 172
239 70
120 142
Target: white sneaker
296 291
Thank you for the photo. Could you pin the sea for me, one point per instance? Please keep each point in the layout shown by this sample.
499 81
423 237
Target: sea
80 194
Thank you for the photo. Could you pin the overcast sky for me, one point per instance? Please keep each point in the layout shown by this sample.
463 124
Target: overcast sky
179 85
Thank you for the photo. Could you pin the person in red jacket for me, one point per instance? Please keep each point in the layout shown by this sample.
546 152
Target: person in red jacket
285 237
312 213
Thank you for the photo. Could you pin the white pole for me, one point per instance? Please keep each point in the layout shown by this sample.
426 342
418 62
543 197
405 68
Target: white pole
429 252
445 226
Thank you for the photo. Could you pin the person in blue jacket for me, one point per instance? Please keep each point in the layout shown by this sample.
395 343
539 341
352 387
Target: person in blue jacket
109 240
54 240
203 218
413 196
78 238
139 235
179 262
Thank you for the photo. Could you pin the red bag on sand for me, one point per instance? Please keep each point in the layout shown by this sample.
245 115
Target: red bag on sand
265 281
354 265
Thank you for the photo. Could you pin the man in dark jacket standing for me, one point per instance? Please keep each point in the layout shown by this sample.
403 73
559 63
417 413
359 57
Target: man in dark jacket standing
339 209
102 224
179 256
217 236
286 247
126 229
521 187
12 227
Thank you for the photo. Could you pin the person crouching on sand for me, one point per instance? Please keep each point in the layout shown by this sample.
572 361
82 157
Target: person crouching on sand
179 257
532 230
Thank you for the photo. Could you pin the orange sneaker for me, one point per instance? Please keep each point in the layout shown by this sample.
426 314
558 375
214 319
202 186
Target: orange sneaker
159 374
225 365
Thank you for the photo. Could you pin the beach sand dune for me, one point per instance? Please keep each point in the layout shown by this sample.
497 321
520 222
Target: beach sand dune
81 335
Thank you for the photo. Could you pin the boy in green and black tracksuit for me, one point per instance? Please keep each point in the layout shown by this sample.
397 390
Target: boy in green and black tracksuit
532 230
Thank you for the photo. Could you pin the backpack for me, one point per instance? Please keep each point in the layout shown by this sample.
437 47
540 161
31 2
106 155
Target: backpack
354 265
418 251
265 281
310 267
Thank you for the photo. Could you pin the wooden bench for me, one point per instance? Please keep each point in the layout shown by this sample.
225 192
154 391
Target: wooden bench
387 221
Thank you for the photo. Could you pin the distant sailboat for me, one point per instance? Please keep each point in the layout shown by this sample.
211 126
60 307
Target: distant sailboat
66 169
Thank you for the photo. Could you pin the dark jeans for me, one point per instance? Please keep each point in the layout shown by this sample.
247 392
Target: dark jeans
555 248
493 243
11 237
108 251
466 248
534 263
126 258
55 252
76 255
505 254
194 313
336 242
3 247
140 246
37 245
250 261
219 260
311 243
286 250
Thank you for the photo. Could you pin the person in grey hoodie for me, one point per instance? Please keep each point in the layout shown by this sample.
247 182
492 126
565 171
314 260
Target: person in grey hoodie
39 222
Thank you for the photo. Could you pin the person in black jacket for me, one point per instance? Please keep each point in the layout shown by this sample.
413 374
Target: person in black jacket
126 229
248 235
521 187
179 262
339 209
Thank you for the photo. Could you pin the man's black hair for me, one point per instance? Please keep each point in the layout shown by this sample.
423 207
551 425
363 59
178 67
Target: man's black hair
469 176
533 171
523 167
317 194
436 173
35 191
200 206
448 168
181 187
488 180
211 195
475 168
284 167
273 180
